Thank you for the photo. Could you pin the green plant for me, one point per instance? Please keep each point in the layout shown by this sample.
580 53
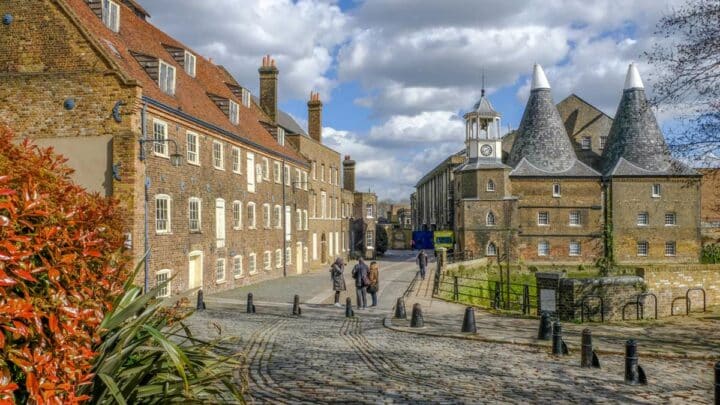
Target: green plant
710 254
381 244
148 355
532 269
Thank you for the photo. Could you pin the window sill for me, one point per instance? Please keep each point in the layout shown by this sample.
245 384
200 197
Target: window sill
162 155
193 163
220 282
252 273
218 168
543 224
195 231
163 233
236 172
239 277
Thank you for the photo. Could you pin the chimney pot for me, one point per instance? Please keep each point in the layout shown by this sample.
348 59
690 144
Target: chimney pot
268 87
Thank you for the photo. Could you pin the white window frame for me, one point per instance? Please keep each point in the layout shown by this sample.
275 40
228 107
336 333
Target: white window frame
298 219
252 263
276 172
220 265
236 156
574 218
237 214
556 190
111 15
267 260
193 155
252 217
168 220
278 258
286 173
643 218
198 220
670 248
670 219
250 160
490 219
267 221
218 160
656 190
277 211
288 255
281 136
323 204
266 169
643 247
305 219
543 248
322 172
165 291
220 222
586 143
370 211
246 97
545 221
160 148
238 266
369 239
489 251
490 186
298 179
603 142
574 248
167 84
233 112
306 255
313 170
189 61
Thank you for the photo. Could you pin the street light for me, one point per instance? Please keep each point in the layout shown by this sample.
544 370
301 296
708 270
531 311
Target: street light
175 158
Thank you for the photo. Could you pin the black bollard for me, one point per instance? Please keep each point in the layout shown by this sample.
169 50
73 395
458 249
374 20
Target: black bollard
417 317
634 374
717 383
557 339
469 321
296 305
588 356
250 305
400 309
349 313
545 327
200 301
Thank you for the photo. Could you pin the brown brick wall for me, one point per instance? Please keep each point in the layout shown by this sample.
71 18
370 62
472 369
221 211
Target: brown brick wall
668 282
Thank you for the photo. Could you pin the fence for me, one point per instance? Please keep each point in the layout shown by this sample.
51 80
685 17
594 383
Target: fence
488 293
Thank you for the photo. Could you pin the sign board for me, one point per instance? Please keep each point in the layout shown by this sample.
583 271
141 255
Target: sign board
547 300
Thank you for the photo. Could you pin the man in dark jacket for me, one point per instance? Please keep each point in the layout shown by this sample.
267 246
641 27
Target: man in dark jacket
422 261
360 274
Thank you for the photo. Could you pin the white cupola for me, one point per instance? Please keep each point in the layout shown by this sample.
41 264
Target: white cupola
482 131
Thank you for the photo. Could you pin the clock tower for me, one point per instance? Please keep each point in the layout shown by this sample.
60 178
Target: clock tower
482 132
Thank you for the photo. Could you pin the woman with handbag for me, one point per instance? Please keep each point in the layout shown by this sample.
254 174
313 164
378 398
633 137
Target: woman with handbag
338 279
373 276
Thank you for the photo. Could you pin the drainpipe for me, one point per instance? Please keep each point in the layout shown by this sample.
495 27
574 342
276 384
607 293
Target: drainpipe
143 119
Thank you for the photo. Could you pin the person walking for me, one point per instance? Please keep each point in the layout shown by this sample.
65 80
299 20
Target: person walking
338 279
360 274
373 277
422 261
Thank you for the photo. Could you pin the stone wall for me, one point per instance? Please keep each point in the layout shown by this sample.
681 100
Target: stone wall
671 281
614 291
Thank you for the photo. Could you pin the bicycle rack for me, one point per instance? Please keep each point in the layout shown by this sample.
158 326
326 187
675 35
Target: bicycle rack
642 306
583 306
672 305
687 298
637 304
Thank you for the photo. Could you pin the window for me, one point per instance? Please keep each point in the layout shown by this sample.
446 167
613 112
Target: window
574 248
166 78
251 215
556 190
323 204
162 282
305 181
287 175
670 219
490 219
194 214
603 142
298 179
189 63
252 263
265 168
246 97
267 260
288 256
322 172
278 216
574 218
288 223
305 254
220 270
237 266
370 239
266 216
643 219
278 258
642 248
237 215
160 133
111 15
491 249
490 185
220 222
543 218
276 172
656 190
281 136
218 155
192 148
234 112
313 205
163 206
369 209
250 172
313 170
586 142
669 248
298 220
305 219
236 160
543 248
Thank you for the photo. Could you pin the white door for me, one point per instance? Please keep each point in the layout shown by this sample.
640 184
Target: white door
299 261
220 222
288 224
195 274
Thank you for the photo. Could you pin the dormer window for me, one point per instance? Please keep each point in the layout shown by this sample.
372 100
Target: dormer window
246 98
111 15
556 190
234 112
166 78
189 63
281 136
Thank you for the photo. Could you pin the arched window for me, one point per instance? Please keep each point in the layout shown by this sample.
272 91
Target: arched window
490 185
490 220
491 249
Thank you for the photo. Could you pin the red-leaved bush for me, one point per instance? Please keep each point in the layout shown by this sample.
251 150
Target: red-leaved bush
61 267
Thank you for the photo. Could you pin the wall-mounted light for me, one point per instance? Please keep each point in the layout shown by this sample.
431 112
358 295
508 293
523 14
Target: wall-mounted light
69 104
7 19
175 158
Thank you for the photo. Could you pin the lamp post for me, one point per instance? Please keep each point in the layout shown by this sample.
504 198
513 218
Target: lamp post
176 161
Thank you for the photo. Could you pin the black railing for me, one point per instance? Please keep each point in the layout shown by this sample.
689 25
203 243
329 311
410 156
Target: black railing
488 293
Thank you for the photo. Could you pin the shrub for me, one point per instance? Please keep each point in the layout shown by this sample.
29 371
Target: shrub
60 270
710 254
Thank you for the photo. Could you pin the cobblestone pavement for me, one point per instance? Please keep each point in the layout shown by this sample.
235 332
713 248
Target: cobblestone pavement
323 357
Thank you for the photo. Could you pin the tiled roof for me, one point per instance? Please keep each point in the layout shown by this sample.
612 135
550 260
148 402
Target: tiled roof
191 94
576 169
479 164
673 168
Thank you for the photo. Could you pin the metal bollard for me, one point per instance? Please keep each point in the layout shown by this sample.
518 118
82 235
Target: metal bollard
250 305
469 321
296 306
588 356
400 309
200 301
417 320
545 327
557 338
634 374
349 313
717 383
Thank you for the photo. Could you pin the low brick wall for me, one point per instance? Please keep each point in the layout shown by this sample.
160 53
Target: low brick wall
466 264
672 281
614 291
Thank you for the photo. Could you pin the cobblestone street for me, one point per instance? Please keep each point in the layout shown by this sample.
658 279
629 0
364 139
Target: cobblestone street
323 357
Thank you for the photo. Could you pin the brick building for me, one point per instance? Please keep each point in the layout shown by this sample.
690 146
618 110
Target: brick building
213 182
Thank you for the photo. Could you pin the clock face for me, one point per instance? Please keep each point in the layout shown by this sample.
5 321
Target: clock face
486 150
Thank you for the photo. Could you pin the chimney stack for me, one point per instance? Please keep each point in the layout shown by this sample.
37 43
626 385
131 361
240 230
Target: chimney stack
268 87
315 117
349 174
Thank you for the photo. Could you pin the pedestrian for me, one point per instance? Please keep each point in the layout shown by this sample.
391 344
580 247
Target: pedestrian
373 277
338 279
360 274
422 261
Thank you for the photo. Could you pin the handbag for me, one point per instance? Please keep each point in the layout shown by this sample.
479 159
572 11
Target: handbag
372 289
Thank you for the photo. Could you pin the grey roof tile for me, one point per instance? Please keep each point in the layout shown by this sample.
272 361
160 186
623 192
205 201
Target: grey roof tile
576 169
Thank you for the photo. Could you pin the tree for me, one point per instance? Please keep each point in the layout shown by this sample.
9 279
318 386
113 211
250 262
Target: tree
382 240
688 59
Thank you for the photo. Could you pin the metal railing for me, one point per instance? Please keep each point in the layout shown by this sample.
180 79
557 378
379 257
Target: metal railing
487 293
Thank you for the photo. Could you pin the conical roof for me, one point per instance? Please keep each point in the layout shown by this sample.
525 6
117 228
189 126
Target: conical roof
541 138
635 135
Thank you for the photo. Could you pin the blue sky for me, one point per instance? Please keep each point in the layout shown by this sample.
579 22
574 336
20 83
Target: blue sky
396 76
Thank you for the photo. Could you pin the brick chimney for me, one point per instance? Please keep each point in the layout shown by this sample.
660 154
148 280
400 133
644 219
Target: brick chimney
349 174
315 117
268 87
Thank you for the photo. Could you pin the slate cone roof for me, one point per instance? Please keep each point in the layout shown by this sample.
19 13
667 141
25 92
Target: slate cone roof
636 146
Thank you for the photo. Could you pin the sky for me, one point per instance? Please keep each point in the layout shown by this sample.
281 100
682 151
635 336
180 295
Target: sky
396 76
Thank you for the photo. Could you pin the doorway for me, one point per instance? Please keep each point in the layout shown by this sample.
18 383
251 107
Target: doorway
195 269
